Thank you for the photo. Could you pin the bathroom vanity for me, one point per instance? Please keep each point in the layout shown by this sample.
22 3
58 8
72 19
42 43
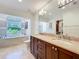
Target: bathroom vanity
48 47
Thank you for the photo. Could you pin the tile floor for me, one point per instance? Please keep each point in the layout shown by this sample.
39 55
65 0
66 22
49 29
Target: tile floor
20 51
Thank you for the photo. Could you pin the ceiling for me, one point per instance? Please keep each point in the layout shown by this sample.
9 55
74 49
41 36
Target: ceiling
25 5
32 5
53 12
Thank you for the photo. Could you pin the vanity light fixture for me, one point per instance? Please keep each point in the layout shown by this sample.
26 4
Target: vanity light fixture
20 0
63 3
63 7
42 12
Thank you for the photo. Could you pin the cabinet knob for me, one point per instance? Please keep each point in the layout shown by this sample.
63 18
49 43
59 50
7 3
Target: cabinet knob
53 47
56 49
39 42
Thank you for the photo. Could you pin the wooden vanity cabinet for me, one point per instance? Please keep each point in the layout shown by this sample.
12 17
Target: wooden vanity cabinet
44 50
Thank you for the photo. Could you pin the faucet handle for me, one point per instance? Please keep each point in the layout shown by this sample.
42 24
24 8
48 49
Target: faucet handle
67 37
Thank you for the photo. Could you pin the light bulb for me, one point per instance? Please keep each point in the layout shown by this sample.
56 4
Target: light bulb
20 0
63 7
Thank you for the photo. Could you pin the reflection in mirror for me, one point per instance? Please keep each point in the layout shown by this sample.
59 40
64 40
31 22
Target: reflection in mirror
50 14
59 27
45 27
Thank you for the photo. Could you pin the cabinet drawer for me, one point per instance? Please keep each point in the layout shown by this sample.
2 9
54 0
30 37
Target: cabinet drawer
41 57
40 42
42 47
41 52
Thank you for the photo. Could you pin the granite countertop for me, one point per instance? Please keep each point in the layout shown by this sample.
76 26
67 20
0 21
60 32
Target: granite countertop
69 45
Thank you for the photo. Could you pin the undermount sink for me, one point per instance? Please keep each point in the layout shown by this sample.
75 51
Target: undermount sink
66 41
62 41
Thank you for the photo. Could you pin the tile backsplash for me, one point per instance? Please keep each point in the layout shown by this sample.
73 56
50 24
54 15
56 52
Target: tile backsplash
72 30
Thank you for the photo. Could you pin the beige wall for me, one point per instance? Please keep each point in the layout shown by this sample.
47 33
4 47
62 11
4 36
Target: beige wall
70 16
71 21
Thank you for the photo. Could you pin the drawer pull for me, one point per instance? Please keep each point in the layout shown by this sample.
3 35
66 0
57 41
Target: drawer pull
53 47
56 49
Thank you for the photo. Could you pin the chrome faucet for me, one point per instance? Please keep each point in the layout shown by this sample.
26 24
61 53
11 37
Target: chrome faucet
67 37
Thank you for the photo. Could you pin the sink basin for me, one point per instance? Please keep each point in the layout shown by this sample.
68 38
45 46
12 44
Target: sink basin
67 41
63 42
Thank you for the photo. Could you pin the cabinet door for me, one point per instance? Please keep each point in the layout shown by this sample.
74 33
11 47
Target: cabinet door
54 52
64 54
51 52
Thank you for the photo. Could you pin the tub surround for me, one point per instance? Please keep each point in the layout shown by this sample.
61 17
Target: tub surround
10 37
12 41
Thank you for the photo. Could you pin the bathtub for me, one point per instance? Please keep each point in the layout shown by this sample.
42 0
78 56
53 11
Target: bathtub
12 41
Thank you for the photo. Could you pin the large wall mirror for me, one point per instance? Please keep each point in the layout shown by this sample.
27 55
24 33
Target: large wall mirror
69 14
48 17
